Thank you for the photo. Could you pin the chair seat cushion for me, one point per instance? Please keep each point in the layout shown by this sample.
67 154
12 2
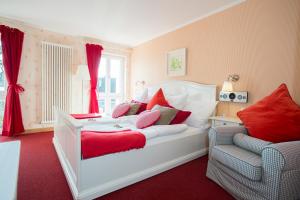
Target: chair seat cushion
242 161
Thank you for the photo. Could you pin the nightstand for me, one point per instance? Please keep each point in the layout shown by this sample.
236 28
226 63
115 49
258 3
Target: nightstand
225 121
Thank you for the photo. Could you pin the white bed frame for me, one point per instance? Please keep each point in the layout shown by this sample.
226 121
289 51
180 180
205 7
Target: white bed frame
91 178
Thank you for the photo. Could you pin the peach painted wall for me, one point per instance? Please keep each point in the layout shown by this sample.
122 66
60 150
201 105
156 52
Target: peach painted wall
257 39
31 63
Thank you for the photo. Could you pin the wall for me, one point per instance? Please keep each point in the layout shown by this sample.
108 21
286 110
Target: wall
257 39
30 69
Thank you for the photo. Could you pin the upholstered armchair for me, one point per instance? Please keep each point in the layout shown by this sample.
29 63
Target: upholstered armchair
250 168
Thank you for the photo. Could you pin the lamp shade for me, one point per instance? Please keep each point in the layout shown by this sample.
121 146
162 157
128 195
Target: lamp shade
227 86
83 72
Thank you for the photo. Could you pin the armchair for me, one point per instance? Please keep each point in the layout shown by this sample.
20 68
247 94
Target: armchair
251 168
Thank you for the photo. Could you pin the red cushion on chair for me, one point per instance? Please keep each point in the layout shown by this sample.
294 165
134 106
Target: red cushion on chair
158 99
275 118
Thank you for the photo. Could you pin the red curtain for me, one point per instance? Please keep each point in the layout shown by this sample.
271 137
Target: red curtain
93 54
12 42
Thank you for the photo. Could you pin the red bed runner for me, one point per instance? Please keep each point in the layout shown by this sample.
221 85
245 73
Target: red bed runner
95 144
86 116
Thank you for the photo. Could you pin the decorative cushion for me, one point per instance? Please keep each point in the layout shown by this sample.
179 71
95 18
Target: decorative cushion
158 99
275 118
166 114
134 108
142 107
250 143
181 116
242 161
147 118
120 110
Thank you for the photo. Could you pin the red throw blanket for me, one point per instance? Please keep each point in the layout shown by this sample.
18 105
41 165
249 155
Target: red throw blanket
95 144
86 116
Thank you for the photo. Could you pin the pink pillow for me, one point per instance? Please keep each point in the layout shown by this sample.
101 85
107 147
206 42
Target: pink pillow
120 110
147 118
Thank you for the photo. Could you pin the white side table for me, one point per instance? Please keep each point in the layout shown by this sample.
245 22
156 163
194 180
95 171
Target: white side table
225 121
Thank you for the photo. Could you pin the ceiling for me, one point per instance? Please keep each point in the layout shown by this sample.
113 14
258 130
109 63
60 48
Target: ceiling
127 22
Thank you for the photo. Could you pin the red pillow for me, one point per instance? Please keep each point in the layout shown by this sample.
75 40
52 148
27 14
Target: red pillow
181 116
142 107
275 118
158 98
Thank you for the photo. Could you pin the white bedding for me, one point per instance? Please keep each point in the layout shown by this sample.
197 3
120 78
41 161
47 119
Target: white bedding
186 133
108 123
105 119
129 123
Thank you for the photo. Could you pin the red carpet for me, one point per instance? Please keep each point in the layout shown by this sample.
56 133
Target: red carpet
42 178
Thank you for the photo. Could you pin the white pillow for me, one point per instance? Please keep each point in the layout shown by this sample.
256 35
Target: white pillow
168 92
201 111
151 91
141 96
163 130
176 97
178 101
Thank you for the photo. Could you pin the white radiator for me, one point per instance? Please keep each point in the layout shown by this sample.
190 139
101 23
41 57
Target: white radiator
56 79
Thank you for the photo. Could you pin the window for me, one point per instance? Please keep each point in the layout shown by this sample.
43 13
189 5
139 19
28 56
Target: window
2 88
111 82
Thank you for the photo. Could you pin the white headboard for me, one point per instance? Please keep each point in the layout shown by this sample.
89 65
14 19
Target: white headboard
200 99
192 89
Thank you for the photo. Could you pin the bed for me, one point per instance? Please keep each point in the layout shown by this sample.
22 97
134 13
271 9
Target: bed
94 177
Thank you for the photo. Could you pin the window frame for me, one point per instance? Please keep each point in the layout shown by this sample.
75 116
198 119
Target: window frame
4 88
107 96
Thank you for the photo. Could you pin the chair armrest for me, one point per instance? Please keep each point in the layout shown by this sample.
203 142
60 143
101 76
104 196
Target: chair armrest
223 135
285 155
